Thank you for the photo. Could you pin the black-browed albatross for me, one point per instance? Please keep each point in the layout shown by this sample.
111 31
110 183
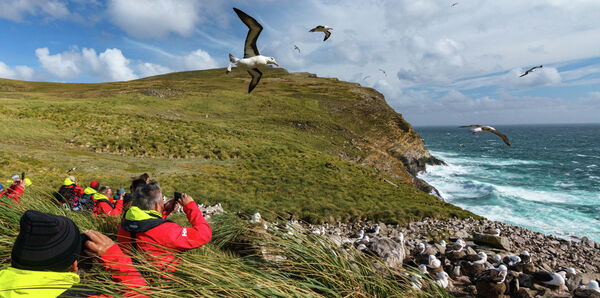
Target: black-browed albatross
480 128
383 71
297 48
324 29
252 58
530 70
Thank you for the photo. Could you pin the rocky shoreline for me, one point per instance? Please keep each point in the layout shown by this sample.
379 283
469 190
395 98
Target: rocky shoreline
548 253
403 246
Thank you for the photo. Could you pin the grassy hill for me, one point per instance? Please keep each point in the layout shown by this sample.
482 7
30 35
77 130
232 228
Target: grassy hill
318 148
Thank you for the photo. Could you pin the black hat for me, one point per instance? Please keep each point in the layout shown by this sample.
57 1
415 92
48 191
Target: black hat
46 242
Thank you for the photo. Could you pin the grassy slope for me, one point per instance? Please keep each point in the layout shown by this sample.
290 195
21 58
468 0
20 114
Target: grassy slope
199 132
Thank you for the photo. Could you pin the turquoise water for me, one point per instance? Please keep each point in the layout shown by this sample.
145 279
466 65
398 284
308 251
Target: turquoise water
548 181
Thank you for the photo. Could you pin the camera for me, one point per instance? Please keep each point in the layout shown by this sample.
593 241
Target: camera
177 195
23 176
84 261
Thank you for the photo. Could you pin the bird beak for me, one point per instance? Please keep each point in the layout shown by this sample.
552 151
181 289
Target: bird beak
275 63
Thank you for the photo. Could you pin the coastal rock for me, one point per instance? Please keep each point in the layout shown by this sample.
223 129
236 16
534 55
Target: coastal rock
499 242
390 251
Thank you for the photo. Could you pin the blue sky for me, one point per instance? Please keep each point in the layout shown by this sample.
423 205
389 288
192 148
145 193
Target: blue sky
443 65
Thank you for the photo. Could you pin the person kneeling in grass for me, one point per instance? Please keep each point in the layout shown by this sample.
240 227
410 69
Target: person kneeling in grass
146 229
44 260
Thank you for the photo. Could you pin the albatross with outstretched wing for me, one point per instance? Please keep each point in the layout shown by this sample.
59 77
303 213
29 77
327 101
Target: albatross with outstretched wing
530 70
479 128
324 29
252 58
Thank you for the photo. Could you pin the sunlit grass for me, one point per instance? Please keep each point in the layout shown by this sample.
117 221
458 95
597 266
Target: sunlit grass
242 260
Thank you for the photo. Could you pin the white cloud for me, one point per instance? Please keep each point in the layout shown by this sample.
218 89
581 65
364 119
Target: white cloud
16 10
109 65
150 69
63 65
197 59
20 72
155 18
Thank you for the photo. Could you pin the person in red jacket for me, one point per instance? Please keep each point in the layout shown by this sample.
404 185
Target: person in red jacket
70 194
104 204
44 260
16 189
145 227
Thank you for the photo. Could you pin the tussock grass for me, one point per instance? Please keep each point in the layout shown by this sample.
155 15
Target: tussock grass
242 260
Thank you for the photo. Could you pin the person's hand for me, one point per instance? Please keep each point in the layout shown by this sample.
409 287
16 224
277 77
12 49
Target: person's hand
185 199
22 183
98 243
122 195
170 205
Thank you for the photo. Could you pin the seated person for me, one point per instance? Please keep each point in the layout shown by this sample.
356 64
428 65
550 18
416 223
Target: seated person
16 189
70 194
128 197
87 200
104 205
145 228
44 259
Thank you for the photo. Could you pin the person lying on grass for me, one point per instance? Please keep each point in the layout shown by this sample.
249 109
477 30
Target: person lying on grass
44 260
146 229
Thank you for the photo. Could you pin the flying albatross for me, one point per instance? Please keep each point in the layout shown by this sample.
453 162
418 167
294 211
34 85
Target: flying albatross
530 70
297 48
324 29
252 58
479 128
454 4
383 71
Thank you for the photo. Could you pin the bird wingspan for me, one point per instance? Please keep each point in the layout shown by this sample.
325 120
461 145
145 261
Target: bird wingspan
504 138
254 29
256 75
472 125
316 28
327 34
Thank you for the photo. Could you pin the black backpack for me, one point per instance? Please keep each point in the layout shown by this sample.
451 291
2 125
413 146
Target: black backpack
87 202
64 195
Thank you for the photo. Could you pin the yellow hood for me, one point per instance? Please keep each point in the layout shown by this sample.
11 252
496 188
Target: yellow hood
136 214
27 283
68 182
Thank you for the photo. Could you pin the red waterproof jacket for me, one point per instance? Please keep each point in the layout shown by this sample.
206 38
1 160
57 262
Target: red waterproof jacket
102 205
15 191
148 231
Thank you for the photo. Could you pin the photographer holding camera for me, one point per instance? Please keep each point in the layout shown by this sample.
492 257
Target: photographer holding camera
146 229
44 260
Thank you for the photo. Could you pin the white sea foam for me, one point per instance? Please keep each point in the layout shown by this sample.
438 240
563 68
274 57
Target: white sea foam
536 195
479 184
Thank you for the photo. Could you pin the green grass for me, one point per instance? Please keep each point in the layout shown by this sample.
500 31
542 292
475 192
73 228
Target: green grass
264 151
242 260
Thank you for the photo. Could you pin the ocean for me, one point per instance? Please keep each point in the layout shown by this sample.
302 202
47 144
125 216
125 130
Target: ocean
547 181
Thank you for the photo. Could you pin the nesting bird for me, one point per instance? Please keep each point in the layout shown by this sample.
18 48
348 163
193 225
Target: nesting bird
556 279
490 283
442 279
